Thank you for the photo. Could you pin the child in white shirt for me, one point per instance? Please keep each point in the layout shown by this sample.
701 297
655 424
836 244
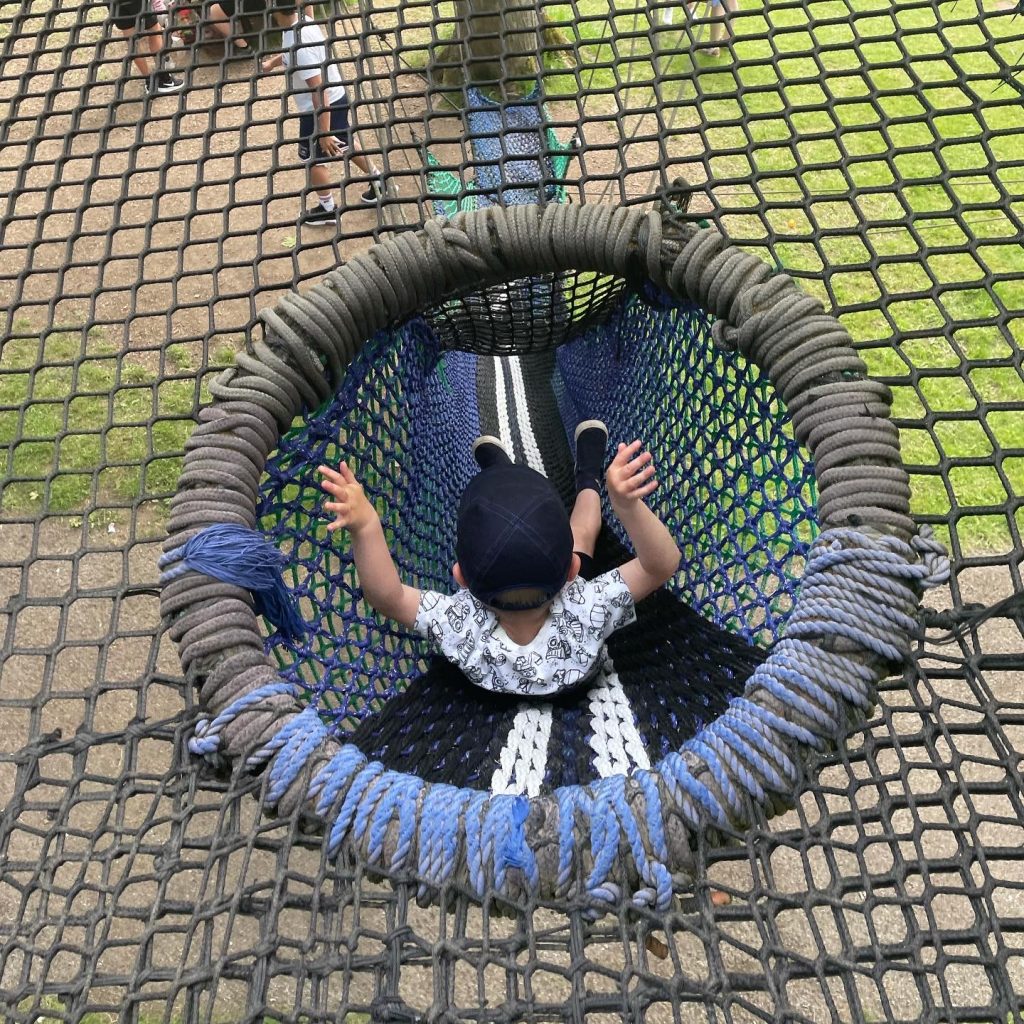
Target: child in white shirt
325 133
525 619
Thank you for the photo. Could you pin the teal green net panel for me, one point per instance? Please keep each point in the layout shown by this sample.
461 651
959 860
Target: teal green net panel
735 489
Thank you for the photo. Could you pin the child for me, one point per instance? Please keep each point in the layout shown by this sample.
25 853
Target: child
721 27
320 97
131 16
528 618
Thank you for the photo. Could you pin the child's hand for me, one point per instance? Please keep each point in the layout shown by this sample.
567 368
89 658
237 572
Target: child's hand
630 476
269 64
331 146
352 509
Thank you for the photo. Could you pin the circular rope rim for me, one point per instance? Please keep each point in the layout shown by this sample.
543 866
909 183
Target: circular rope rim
632 835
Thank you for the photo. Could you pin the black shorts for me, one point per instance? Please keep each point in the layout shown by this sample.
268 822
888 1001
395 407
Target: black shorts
129 14
339 129
246 8
586 565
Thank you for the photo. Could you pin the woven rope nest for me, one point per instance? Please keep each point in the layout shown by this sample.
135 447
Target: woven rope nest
630 835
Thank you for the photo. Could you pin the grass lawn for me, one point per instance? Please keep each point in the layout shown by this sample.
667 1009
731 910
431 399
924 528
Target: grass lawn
87 428
871 149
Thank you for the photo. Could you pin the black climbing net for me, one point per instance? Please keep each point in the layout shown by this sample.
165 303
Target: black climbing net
872 151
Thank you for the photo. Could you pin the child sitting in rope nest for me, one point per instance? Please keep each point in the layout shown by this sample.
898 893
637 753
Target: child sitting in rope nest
529 617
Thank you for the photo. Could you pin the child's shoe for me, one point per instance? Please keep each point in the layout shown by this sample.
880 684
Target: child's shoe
374 192
591 441
320 216
162 82
489 451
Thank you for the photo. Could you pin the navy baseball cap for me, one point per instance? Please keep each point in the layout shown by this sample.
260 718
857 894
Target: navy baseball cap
513 533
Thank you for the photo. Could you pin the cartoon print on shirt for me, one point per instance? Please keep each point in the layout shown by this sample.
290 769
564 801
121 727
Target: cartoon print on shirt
598 619
493 657
465 648
569 626
526 665
567 649
558 649
566 677
457 614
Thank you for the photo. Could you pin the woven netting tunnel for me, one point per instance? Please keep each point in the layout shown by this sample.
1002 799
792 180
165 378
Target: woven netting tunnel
780 477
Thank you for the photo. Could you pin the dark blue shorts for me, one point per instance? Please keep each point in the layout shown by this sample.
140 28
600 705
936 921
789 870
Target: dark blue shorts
586 565
129 14
339 129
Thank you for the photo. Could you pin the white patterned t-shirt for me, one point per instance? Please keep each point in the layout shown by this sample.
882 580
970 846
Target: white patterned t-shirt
565 651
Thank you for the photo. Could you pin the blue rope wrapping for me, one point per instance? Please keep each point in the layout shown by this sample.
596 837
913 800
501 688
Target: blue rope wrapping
604 843
358 788
375 794
334 777
772 723
441 817
750 745
702 802
401 796
570 800
205 739
655 873
504 833
475 848
245 558
293 745
719 771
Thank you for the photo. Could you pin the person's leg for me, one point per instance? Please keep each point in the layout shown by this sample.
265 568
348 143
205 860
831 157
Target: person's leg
585 521
218 21
489 451
340 114
321 181
131 17
591 440
154 43
319 175
143 61
721 28
374 191
718 26
715 12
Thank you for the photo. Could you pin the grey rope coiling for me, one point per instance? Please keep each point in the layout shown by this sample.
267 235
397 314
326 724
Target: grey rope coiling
851 622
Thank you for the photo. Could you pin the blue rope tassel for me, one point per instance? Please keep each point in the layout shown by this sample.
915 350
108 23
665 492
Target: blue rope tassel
245 558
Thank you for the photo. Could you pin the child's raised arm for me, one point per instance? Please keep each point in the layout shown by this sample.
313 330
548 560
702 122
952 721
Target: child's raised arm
378 576
630 479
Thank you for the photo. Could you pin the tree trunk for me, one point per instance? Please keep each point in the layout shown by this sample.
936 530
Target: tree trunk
494 48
